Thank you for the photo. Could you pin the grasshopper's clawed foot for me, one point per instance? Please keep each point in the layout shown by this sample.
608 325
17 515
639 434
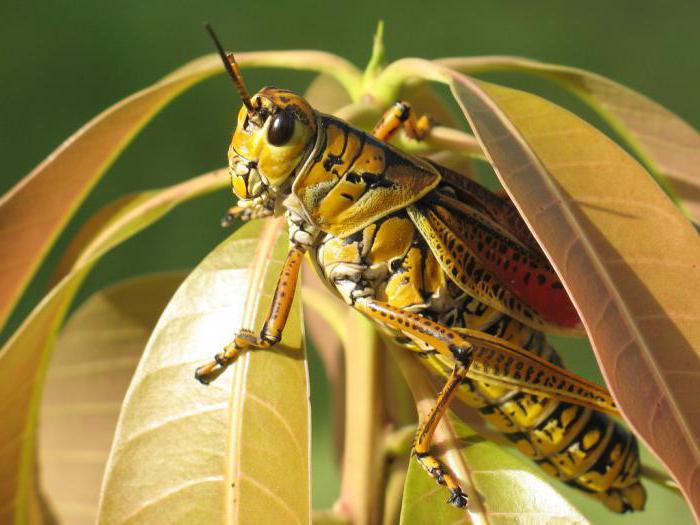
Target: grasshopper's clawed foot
244 340
458 498
436 471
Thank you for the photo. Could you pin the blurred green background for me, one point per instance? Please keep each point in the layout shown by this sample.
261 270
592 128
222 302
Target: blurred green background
63 62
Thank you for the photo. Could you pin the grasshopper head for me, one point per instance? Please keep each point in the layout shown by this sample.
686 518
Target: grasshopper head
275 128
270 141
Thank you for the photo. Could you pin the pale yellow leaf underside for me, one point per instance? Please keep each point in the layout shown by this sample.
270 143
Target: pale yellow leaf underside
233 452
94 360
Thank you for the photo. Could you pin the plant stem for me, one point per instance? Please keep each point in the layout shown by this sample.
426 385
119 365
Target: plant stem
361 486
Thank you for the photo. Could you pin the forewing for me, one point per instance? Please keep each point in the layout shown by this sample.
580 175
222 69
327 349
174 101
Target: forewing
489 262
497 207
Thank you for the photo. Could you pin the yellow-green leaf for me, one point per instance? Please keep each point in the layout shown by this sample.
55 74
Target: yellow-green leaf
95 358
501 488
627 256
669 146
512 491
25 356
236 451
36 209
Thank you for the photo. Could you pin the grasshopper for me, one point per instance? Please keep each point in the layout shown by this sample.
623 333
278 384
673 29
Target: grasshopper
445 266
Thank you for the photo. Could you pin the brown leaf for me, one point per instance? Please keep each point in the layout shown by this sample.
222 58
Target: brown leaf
668 145
87 233
35 210
95 358
627 256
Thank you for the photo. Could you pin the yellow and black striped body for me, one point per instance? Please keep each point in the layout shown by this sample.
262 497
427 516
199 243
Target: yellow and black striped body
390 260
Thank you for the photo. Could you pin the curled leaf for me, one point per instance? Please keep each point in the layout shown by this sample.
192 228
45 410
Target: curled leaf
37 208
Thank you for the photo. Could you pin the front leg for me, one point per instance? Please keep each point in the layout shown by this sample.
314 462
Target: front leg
250 209
274 324
245 214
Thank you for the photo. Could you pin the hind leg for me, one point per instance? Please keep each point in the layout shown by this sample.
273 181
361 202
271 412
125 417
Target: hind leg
424 438
446 341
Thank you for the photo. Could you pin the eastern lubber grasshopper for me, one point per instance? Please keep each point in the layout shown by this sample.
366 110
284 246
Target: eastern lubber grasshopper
445 266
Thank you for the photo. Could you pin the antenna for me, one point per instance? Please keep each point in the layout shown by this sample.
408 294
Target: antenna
232 69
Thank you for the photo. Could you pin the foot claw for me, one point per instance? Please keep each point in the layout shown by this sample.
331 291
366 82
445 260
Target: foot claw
458 498
207 373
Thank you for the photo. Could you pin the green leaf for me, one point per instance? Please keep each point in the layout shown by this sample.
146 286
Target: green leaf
501 488
25 356
236 451
627 256
37 208
511 491
668 145
95 358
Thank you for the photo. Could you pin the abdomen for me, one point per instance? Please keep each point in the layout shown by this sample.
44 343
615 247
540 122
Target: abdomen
390 261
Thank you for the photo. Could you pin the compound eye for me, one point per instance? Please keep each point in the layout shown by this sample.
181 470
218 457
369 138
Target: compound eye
281 128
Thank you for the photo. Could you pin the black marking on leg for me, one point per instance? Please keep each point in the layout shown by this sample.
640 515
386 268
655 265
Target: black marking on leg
405 110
